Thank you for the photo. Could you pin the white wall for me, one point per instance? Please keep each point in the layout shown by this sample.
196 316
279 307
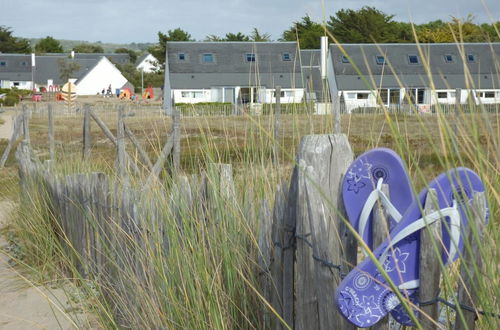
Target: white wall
20 84
192 95
101 76
290 95
148 64
352 101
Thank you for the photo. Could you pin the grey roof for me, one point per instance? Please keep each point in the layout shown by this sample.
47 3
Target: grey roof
398 72
141 58
310 57
18 67
230 67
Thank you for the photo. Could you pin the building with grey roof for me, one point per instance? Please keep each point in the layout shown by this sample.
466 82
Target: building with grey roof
423 74
236 72
16 70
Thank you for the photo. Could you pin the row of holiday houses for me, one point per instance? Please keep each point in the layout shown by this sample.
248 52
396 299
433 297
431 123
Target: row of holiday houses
357 75
91 72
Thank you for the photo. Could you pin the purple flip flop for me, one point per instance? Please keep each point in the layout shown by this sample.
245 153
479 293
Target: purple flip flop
363 296
361 189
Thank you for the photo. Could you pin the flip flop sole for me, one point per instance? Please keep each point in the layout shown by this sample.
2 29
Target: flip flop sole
361 179
364 297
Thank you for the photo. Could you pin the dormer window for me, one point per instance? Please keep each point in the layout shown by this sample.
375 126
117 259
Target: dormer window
250 57
413 59
207 58
286 57
24 63
345 60
380 59
471 58
448 58
3 63
182 57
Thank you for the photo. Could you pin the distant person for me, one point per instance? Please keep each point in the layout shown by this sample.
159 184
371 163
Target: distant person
103 91
110 91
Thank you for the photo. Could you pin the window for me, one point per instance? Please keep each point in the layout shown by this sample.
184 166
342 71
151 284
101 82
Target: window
362 96
453 95
289 93
282 94
384 95
351 95
442 95
344 59
486 95
16 84
182 57
413 59
250 57
471 58
3 63
380 59
197 95
448 58
207 58
185 94
286 57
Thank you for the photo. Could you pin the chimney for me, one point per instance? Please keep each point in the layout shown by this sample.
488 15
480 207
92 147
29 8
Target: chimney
324 53
33 59
72 54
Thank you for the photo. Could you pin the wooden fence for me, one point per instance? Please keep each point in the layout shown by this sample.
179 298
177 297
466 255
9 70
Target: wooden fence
305 247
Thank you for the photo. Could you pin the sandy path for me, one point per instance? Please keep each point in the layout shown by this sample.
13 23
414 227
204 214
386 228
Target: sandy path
23 306
7 127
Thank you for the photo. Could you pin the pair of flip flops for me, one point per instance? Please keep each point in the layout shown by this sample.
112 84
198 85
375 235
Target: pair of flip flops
364 296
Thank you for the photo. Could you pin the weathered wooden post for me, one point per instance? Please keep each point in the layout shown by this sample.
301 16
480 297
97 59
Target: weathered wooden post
471 264
86 131
52 152
321 163
176 132
26 124
264 258
277 238
18 122
430 269
120 145
277 118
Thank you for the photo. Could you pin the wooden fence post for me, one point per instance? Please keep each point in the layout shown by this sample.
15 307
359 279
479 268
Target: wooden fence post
471 263
176 154
26 124
264 259
277 239
52 152
430 269
18 122
120 145
86 132
277 118
322 162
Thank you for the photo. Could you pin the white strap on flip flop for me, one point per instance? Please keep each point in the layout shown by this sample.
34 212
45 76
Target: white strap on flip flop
451 212
375 195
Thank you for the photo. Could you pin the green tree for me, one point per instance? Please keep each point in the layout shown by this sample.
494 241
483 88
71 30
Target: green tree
462 30
132 54
88 48
160 49
306 31
258 37
67 68
366 25
491 31
11 44
236 37
48 45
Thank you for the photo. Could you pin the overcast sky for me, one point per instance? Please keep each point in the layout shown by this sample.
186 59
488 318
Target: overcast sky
140 20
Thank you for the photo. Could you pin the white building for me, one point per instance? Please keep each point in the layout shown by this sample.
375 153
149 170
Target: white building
147 63
233 72
90 75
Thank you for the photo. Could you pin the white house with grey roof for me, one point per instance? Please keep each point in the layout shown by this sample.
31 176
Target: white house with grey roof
235 72
424 74
94 72
147 63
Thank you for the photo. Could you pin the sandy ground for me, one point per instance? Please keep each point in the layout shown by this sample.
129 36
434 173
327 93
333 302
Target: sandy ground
22 305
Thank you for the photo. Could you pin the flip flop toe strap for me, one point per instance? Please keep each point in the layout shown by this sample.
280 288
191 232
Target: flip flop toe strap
450 212
375 195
